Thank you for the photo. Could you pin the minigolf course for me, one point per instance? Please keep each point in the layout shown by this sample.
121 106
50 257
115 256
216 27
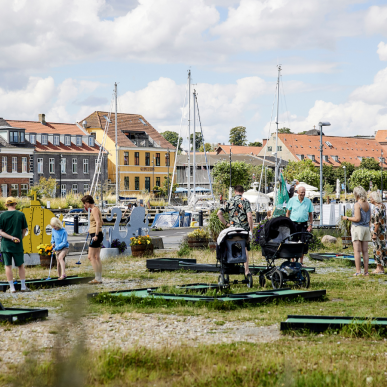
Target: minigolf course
45 283
328 256
13 315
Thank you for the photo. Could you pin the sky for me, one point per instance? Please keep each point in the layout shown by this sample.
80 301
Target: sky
62 58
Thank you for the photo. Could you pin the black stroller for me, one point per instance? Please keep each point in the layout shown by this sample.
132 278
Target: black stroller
279 240
231 254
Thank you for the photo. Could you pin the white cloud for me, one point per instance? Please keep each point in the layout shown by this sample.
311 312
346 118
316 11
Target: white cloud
382 51
376 20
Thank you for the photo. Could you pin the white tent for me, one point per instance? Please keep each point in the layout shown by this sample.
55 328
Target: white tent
306 186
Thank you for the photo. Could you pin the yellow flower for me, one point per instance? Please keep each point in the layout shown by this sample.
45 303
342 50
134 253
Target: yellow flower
139 242
148 242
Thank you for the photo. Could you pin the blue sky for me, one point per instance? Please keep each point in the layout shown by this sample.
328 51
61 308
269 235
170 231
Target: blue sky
63 57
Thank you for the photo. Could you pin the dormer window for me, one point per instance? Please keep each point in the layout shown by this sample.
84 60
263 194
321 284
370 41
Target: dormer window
33 138
67 140
91 141
13 137
326 158
335 158
79 141
22 137
44 139
56 139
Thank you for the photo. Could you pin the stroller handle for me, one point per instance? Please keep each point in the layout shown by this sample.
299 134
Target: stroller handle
308 236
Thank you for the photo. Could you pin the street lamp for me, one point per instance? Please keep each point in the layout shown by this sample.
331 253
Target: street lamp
60 176
153 167
168 155
381 164
345 182
321 124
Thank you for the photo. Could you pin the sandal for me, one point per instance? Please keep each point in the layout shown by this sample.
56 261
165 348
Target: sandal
356 274
366 274
94 282
377 272
62 277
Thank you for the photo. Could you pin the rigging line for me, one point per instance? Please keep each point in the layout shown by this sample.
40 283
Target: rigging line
284 97
178 143
204 147
268 137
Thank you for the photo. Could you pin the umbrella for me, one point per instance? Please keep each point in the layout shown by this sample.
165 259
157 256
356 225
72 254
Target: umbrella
181 189
201 189
306 186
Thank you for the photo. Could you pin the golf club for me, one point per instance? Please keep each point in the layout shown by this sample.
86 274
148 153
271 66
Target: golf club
49 273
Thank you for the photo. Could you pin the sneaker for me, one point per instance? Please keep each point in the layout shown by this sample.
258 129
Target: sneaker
11 291
26 290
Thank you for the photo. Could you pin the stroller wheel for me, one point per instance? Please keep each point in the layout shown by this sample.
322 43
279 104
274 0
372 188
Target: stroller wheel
249 278
262 281
226 279
305 281
277 279
221 280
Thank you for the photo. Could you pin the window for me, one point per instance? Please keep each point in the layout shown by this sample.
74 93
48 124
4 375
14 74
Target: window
157 159
4 164
96 165
63 165
33 138
92 140
23 189
51 165
22 136
136 158
157 182
126 158
142 121
24 164
56 139
40 165
326 158
75 166
301 157
147 184
335 158
311 157
137 183
14 164
4 190
75 188
85 165
67 140
269 148
79 140
279 148
126 182
13 137
167 159
85 188
44 139
14 190
147 158
63 189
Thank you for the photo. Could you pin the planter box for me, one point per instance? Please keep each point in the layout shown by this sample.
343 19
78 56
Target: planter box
141 250
197 243
347 240
109 252
46 259
212 245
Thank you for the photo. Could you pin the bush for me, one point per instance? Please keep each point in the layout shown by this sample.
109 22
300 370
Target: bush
199 234
120 245
316 243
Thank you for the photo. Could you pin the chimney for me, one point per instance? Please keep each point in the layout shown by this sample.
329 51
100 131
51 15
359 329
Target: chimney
42 119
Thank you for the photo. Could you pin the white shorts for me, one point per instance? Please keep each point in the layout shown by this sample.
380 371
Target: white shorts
360 233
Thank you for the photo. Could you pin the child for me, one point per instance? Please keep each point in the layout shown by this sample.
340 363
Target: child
60 246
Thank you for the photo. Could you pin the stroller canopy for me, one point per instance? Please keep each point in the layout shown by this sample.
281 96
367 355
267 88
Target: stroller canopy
276 229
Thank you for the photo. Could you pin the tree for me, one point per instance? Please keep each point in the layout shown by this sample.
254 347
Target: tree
256 143
45 188
240 175
339 172
294 168
362 177
328 190
238 136
370 164
198 140
208 147
173 138
329 174
309 177
256 171
285 130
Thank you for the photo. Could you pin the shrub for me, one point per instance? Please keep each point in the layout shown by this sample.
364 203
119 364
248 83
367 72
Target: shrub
120 245
199 234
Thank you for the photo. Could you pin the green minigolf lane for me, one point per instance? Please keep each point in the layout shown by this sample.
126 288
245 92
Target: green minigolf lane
334 321
13 312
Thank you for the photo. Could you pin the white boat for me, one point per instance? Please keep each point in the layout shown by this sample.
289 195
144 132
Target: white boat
258 200
68 219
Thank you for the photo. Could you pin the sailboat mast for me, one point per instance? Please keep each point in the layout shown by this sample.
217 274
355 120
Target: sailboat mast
189 136
115 128
194 145
276 138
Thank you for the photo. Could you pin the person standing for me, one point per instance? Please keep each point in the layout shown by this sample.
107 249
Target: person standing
13 228
378 231
300 209
360 229
60 245
239 211
96 235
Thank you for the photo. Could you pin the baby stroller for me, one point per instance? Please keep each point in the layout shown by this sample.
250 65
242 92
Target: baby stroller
279 240
231 254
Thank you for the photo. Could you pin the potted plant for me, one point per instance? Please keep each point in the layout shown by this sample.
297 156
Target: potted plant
198 238
345 228
45 251
141 245
215 226
121 246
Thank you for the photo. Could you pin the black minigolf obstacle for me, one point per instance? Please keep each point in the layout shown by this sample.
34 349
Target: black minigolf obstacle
322 323
44 283
344 257
13 315
171 264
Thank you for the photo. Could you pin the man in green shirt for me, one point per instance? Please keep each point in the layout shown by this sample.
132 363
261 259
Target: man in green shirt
13 228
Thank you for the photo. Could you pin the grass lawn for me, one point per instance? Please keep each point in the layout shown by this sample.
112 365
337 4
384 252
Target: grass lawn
295 359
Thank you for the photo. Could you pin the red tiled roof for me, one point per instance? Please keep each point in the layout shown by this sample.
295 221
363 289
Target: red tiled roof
50 128
348 149
126 122
381 136
238 149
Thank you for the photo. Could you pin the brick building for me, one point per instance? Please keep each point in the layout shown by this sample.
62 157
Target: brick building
16 155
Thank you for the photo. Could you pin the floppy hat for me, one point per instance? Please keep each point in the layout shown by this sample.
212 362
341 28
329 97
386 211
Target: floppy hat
10 200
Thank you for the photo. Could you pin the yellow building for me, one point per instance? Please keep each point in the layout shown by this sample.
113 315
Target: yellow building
144 156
